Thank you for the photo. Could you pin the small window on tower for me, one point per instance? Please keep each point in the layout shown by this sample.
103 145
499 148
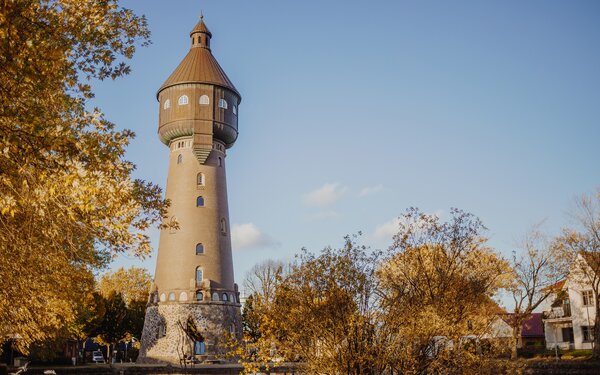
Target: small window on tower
183 100
199 275
179 159
235 109
223 226
204 100
199 249
162 330
223 103
200 179
215 296
225 297
172 296
220 162
167 104
199 295
200 202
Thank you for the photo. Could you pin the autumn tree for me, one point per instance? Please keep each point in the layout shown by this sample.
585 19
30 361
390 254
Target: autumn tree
321 313
535 268
68 202
581 244
260 284
437 284
125 294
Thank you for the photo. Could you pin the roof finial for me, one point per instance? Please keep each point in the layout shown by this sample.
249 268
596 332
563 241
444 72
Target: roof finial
201 15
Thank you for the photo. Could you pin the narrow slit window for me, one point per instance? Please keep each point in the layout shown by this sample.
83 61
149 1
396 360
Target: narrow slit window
199 275
200 179
223 227
179 159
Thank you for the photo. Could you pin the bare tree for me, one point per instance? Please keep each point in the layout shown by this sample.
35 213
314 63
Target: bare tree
535 268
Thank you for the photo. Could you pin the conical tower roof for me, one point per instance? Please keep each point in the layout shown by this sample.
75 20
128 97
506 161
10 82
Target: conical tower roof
199 66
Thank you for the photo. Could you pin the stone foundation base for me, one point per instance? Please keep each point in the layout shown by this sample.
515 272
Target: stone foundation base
164 341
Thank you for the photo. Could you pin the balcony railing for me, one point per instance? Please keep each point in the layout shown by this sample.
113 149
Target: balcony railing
558 312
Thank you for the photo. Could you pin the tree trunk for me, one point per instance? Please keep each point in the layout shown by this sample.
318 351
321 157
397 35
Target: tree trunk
516 335
596 341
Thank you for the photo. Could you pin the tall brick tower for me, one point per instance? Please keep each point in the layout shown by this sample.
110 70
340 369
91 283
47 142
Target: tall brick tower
194 271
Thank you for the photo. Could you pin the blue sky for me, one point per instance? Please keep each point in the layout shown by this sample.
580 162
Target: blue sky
353 111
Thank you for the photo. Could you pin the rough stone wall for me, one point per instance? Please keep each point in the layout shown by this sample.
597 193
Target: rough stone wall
213 320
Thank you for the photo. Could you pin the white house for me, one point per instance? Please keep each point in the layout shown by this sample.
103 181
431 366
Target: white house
569 313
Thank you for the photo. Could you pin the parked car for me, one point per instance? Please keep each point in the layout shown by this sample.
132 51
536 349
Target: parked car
97 357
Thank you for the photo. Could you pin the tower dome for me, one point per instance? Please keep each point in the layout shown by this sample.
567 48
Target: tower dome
198 99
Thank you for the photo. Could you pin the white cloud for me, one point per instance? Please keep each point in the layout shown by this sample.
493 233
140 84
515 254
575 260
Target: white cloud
387 230
325 196
246 236
369 190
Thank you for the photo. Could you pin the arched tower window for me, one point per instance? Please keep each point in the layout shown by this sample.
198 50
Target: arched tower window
220 162
225 297
199 295
183 100
172 296
235 109
204 100
200 202
215 296
199 249
223 226
223 103
167 104
179 159
199 275
200 179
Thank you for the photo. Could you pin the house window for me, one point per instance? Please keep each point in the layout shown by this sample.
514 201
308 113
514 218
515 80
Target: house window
199 295
200 202
204 100
222 103
567 334
172 296
167 104
179 159
223 227
215 296
183 100
588 333
199 348
588 297
199 275
225 297
200 179
199 249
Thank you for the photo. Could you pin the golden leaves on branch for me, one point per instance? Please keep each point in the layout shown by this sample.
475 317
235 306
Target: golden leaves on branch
68 202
